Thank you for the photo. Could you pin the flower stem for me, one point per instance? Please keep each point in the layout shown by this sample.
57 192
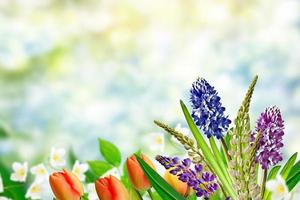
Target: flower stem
139 195
12 186
150 194
225 148
263 184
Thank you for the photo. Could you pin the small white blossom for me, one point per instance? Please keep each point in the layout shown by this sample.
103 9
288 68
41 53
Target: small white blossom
155 141
35 190
57 157
91 190
278 188
1 184
40 172
79 169
20 172
114 172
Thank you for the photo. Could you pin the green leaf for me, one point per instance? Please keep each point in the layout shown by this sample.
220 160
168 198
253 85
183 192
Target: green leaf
133 194
4 132
160 185
156 196
90 176
295 170
273 172
110 152
72 157
206 151
84 197
192 197
218 157
99 167
288 166
292 182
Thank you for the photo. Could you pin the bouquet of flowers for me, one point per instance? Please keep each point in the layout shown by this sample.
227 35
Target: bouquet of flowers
225 160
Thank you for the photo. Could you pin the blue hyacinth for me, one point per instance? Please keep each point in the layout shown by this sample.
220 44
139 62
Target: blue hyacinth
208 112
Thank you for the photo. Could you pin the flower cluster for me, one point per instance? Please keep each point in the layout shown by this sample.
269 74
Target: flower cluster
270 125
208 112
202 182
39 188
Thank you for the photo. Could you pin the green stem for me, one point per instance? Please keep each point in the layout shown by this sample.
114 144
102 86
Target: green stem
225 148
263 184
12 186
219 158
139 195
150 194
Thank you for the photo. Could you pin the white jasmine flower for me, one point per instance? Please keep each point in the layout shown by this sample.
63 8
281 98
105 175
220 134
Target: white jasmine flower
278 188
91 190
20 172
79 169
1 184
35 190
40 172
155 141
114 172
57 157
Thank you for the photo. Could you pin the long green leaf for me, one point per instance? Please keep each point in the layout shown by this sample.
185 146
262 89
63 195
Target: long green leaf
273 172
295 170
218 157
288 166
291 183
159 184
206 150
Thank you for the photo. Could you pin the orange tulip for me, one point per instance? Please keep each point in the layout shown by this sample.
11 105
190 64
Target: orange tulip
110 188
136 174
66 186
179 186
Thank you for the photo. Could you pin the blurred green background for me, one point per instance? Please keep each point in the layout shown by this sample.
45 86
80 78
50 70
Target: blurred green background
75 70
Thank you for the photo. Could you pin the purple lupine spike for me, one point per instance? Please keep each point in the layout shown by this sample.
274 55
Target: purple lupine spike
271 126
203 183
208 112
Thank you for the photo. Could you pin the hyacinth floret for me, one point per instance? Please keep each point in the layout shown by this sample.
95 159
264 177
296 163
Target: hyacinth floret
203 183
271 126
208 112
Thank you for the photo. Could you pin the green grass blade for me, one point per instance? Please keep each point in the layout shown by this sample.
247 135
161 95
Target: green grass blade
206 151
288 166
295 170
292 182
218 157
273 172
158 183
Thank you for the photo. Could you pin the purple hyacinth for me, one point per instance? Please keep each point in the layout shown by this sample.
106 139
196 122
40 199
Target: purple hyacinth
271 126
203 183
208 112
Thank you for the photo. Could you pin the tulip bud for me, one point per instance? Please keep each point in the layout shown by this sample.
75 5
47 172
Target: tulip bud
179 186
110 188
136 174
66 186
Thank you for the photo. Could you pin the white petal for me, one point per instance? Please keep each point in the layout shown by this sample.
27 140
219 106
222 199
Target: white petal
16 166
84 167
271 185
